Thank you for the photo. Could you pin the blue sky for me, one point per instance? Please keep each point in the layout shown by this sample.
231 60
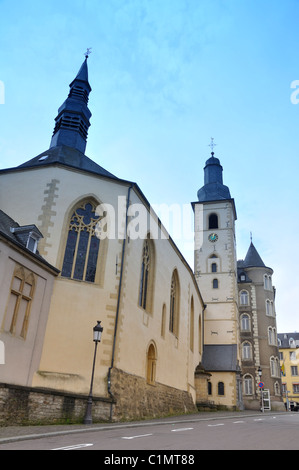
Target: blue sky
166 76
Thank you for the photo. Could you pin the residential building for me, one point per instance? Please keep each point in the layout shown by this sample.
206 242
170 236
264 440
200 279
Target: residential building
289 365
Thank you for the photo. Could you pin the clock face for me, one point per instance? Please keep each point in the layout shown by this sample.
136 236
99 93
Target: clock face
213 237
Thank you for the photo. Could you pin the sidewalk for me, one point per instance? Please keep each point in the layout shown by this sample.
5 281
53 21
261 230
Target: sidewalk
19 433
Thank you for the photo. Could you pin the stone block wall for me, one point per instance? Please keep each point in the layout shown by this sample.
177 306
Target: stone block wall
25 405
136 399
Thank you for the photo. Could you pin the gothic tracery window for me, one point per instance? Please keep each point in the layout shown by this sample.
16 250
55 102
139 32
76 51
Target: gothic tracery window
17 315
82 246
174 304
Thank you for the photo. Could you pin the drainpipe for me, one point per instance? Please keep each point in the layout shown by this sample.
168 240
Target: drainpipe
203 326
118 299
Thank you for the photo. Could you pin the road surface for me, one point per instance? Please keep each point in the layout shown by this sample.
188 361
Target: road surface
254 432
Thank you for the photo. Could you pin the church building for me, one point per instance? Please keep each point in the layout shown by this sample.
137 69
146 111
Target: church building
171 335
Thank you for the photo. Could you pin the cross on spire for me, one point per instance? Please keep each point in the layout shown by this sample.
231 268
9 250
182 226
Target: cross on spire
212 145
88 52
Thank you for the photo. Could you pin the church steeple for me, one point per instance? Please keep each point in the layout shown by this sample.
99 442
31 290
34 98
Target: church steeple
213 188
72 120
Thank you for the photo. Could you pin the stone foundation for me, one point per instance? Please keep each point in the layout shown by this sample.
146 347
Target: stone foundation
25 405
136 399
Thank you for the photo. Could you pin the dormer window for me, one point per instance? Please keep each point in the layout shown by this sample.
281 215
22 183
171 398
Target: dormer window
32 242
28 236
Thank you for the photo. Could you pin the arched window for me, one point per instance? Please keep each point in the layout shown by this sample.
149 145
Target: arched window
274 366
220 388
146 277
269 308
267 282
151 364
272 335
244 297
174 303
214 267
215 283
277 389
246 351
245 322
82 246
247 384
213 221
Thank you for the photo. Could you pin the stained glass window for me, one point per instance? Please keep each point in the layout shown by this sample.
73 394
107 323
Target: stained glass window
82 246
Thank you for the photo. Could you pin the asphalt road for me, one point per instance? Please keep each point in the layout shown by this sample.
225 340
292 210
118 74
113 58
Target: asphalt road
258 432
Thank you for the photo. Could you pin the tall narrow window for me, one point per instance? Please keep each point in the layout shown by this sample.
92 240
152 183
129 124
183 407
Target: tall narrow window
82 246
246 351
244 297
215 283
163 321
192 325
247 384
220 388
174 304
213 221
151 364
245 322
145 266
147 276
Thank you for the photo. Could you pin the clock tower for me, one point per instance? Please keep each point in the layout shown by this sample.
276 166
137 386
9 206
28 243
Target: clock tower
215 267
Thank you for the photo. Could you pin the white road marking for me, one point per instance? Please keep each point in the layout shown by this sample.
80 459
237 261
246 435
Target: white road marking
135 437
212 425
235 422
181 429
76 446
259 419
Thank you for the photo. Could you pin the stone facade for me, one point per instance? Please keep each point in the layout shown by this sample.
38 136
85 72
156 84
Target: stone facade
27 405
135 398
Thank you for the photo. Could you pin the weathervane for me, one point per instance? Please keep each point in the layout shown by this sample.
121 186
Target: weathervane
212 145
88 52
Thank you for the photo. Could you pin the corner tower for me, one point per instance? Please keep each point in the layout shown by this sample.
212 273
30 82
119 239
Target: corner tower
215 267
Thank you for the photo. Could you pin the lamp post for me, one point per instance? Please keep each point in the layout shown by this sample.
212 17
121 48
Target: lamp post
97 335
262 401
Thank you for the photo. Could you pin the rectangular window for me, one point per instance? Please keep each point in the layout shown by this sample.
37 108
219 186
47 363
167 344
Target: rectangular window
292 355
294 370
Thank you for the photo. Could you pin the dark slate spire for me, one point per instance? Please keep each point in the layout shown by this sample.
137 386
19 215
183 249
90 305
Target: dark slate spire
253 259
69 138
72 120
213 189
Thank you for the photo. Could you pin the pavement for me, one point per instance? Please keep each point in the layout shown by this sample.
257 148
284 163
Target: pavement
19 433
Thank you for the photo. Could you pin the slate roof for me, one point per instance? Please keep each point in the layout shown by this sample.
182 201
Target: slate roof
67 156
252 258
220 357
18 235
285 339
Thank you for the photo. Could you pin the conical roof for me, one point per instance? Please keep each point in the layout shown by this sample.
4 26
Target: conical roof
253 259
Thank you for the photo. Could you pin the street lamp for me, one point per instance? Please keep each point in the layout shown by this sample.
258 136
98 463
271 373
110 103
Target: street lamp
262 399
97 335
